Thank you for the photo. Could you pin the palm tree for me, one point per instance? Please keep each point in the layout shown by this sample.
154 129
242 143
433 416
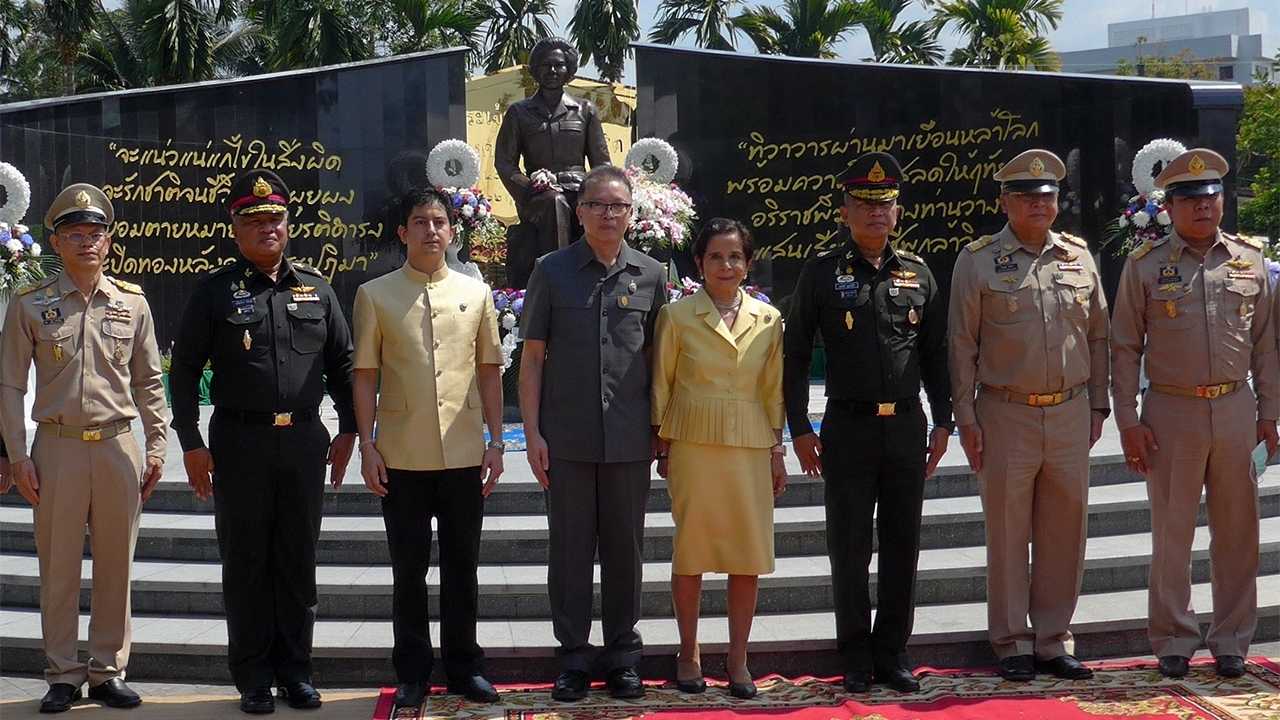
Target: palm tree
69 23
514 26
309 33
913 43
1001 33
603 30
712 22
439 23
804 28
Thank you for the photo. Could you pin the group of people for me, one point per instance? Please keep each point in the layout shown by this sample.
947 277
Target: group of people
612 378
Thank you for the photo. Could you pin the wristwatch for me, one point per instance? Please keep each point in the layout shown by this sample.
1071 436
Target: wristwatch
779 449
496 445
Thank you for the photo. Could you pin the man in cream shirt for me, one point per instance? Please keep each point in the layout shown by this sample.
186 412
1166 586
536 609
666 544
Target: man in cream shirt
433 334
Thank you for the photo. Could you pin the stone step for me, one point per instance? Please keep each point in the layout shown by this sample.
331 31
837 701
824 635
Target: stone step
799 584
357 652
798 531
517 493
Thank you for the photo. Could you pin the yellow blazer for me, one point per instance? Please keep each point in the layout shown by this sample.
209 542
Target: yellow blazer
715 386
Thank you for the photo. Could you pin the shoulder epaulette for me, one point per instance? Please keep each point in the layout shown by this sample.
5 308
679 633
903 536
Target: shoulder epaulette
1079 242
1142 250
910 256
221 269
301 267
828 252
126 285
31 287
1252 242
980 243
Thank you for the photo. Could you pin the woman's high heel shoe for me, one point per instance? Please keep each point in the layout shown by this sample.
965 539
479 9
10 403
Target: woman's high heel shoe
742 690
697 684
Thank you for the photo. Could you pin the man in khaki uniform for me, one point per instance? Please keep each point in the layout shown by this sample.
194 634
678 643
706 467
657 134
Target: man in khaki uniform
97 368
433 333
1197 306
1029 334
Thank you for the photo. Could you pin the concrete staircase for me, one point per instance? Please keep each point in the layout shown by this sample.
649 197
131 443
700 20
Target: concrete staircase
179 633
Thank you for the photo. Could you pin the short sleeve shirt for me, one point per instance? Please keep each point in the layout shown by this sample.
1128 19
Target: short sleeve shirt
598 324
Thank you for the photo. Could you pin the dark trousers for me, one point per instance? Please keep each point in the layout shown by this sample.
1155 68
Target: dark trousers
870 461
590 503
453 497
268 487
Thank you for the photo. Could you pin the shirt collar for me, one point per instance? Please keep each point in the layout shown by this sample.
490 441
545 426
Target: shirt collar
1177 245
583 255
420 278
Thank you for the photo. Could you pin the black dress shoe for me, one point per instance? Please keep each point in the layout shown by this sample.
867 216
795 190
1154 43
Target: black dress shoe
1018 668
1174 666
693 687
257 701
624 684
475 689
1229 666
300 695
59 698
411 694
857 681
114 693
571 685
1065 667
899 679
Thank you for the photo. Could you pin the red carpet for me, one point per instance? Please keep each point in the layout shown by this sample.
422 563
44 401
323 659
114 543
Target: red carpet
1134 690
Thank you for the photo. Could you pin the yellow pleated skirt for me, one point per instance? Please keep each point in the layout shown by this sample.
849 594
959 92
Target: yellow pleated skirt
722 503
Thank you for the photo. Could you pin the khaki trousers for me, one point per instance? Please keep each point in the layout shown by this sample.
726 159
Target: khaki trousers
94 484
1035 490
1205 445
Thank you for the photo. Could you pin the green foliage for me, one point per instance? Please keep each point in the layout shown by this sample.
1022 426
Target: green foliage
712 22
803 28
1258 154
1183 66
603 31
914 43
514 27
1002 34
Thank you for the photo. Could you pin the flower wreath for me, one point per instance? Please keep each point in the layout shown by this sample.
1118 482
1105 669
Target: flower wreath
1160 150
17 194
656 158
453 163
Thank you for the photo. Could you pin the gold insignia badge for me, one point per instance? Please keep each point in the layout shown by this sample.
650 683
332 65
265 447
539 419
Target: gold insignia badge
301 289
82 200
1239 264
623 300
768 317
876 173
57 352
904 274
912 316
1037 168
1171 308
1171 288
119 351
261 188
1013 304
248 341
1008 246
1010 279
848 319
1196 166
1244 308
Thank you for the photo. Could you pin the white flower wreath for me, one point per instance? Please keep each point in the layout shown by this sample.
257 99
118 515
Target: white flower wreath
453 163
1160 150
656 158
17 194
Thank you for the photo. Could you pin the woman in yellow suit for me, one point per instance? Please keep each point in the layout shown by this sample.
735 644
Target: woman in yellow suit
717 406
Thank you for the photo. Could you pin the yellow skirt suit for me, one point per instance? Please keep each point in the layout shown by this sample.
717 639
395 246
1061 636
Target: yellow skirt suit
717 397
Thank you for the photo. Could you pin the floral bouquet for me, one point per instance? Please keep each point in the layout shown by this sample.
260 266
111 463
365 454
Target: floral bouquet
471 210
1144 218
20 260
541 181
509 303
663 214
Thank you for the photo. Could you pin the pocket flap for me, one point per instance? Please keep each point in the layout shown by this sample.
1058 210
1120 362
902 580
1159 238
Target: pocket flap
635 301
907 297
117 330
999 285
1241 286
1073 279
56 332
308 311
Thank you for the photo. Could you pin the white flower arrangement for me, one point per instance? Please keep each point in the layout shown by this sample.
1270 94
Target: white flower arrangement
1160 150
662 215
656 158
453 163
20 258
17 194
1135 224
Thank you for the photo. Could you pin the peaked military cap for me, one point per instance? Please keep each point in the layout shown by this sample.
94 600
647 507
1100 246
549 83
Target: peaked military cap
873 176
1033 171
80 203
258 191
1197 171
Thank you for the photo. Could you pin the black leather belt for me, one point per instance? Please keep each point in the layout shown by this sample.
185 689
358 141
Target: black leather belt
278 419
879 409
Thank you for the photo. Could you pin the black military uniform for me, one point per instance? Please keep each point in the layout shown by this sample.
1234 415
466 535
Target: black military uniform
884 331
272 346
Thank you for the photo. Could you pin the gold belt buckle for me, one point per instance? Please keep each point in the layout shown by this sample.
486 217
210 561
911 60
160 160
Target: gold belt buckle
886 409
91 435
1209 391
284 419
1044 400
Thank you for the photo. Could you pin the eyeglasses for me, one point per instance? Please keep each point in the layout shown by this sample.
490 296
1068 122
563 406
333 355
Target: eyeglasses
77 238
600 209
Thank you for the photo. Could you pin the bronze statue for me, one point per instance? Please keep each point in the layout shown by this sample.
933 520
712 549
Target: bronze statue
551 131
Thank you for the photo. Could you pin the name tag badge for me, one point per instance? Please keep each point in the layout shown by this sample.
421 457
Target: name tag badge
244 306
1240 275
305 297
848 294
1007 267
847 286
1078 267
1163 280
901 283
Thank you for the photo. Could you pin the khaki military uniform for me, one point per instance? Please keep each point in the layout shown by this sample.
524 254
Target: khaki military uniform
1201 327
427 334
1029 360
97 368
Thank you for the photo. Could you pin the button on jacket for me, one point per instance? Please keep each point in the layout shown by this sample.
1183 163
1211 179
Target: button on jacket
270 344
883 330
1042 320
427 333
1194 323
